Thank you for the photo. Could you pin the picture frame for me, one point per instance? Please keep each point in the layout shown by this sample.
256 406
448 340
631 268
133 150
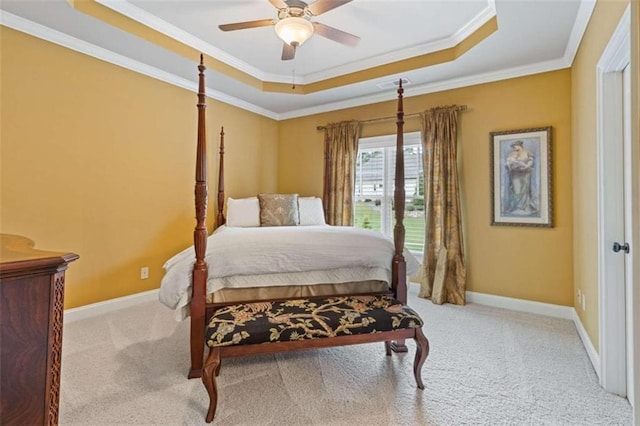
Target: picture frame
521 177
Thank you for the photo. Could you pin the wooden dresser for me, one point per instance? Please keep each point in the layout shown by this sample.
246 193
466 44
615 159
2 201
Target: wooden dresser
31 311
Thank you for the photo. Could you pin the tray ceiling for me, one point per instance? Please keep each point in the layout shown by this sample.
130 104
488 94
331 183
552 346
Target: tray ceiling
435 44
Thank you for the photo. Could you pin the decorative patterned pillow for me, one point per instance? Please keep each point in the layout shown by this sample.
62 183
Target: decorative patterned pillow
311 211
278 209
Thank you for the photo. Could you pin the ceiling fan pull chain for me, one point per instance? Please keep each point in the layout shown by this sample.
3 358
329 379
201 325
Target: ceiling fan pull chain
293 78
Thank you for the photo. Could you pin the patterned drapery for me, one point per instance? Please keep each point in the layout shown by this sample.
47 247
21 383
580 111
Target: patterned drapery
341 150
443 273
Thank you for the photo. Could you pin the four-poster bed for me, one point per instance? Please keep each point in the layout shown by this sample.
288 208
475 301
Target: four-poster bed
201 307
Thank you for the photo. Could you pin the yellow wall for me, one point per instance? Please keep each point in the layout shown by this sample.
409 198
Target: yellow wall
99 160
603 22
525 263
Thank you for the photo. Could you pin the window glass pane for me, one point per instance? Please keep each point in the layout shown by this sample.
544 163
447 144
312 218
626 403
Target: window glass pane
369 189
374 192
413 219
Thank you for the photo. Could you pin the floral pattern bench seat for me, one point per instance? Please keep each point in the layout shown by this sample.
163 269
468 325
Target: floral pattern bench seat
268 327
266 322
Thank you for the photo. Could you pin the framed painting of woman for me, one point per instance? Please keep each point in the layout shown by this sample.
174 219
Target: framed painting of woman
521 177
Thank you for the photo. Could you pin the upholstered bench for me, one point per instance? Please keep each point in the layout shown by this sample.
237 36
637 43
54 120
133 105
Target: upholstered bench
269 327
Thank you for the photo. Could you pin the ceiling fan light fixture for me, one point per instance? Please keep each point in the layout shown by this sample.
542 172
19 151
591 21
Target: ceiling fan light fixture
294 30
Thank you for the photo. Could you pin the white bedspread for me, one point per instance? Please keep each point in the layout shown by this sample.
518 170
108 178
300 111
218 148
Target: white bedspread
287 254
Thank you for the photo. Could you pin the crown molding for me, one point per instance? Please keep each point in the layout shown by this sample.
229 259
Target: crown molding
440 86
579 27
40 31
149 20
45 33
467 30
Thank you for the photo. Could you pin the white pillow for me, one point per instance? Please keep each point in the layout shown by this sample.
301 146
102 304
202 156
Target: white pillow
311 211
243 212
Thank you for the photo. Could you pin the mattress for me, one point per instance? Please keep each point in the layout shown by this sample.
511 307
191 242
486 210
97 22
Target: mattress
249 258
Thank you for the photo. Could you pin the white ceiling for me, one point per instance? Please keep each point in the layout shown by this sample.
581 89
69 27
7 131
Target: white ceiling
533 36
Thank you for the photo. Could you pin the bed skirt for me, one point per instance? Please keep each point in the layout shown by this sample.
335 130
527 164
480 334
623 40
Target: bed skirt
226 295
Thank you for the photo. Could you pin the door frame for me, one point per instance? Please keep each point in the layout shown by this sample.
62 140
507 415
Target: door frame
612 320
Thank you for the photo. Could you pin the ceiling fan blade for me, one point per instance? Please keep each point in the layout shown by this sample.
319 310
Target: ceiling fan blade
248 24
322 6
335 34
288 52
278 4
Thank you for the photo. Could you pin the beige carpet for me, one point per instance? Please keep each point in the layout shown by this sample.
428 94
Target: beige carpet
487 366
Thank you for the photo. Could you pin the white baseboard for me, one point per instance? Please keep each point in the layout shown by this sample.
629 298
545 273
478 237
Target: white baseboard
94 309
547 309
556 311
586 341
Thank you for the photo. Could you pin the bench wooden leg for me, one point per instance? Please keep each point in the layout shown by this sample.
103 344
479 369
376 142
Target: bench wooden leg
398 346
422 351
211 366
387 348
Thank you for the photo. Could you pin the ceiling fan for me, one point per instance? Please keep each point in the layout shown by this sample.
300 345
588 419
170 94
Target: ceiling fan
294 24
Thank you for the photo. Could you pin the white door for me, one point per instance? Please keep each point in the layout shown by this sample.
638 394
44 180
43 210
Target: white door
628 225
615 219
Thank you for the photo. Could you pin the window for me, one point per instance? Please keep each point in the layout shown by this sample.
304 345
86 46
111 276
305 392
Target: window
375 178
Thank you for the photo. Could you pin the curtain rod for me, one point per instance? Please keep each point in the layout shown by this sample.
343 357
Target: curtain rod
406 116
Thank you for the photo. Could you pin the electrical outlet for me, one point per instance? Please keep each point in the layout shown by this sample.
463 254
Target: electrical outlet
584 302
144 272
579 297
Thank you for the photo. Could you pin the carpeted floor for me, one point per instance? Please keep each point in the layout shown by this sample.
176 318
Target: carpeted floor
487 366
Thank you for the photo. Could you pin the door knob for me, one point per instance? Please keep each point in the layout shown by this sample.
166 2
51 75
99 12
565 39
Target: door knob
618 247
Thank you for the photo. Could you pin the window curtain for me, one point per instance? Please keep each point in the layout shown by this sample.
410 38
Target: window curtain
443 273
341 150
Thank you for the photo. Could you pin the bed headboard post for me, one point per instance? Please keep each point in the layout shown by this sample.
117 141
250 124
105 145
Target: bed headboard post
399 268
327 174
199 235
220 219
200 232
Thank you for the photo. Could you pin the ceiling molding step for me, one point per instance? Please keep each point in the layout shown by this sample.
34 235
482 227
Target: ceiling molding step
579 27
45 33
145 18
463 33
423 89
478 21
54 36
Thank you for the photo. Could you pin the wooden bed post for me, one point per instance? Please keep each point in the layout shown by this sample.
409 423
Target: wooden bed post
198 296
221 220
398 266
327 172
